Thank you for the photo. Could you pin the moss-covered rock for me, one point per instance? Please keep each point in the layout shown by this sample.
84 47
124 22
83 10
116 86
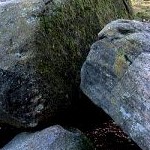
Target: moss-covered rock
43 45
70 31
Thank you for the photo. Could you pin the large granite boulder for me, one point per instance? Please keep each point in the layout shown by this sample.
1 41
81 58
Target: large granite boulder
42 46
116 77
52 138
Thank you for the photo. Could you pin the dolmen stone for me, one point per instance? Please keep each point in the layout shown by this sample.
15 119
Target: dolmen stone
116 76
43 44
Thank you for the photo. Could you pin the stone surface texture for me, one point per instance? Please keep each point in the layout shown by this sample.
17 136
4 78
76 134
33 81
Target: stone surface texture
52 138
42 46
116 76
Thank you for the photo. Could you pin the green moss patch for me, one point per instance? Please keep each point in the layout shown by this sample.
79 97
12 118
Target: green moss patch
66 36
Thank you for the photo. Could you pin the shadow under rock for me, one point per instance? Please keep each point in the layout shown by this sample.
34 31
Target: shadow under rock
88 118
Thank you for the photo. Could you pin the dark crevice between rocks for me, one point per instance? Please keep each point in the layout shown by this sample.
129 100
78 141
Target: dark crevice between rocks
127 59
125 31
87 117
102 37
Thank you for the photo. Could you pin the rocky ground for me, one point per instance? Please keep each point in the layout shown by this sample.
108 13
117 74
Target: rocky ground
91 120
104 133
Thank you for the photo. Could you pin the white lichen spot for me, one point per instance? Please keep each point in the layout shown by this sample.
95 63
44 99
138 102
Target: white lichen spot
24 12
39 108
33 124
18 55
31 20
138 128
124 113
147 105
126 95
147 125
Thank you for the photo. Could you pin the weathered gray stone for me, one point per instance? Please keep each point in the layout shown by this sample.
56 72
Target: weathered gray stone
52 138
116 77
41 53
20 91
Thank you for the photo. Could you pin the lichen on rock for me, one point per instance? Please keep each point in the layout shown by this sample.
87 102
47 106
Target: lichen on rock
121 88
43 45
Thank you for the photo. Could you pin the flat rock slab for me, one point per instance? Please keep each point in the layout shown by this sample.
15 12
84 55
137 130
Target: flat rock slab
116 77
52 138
